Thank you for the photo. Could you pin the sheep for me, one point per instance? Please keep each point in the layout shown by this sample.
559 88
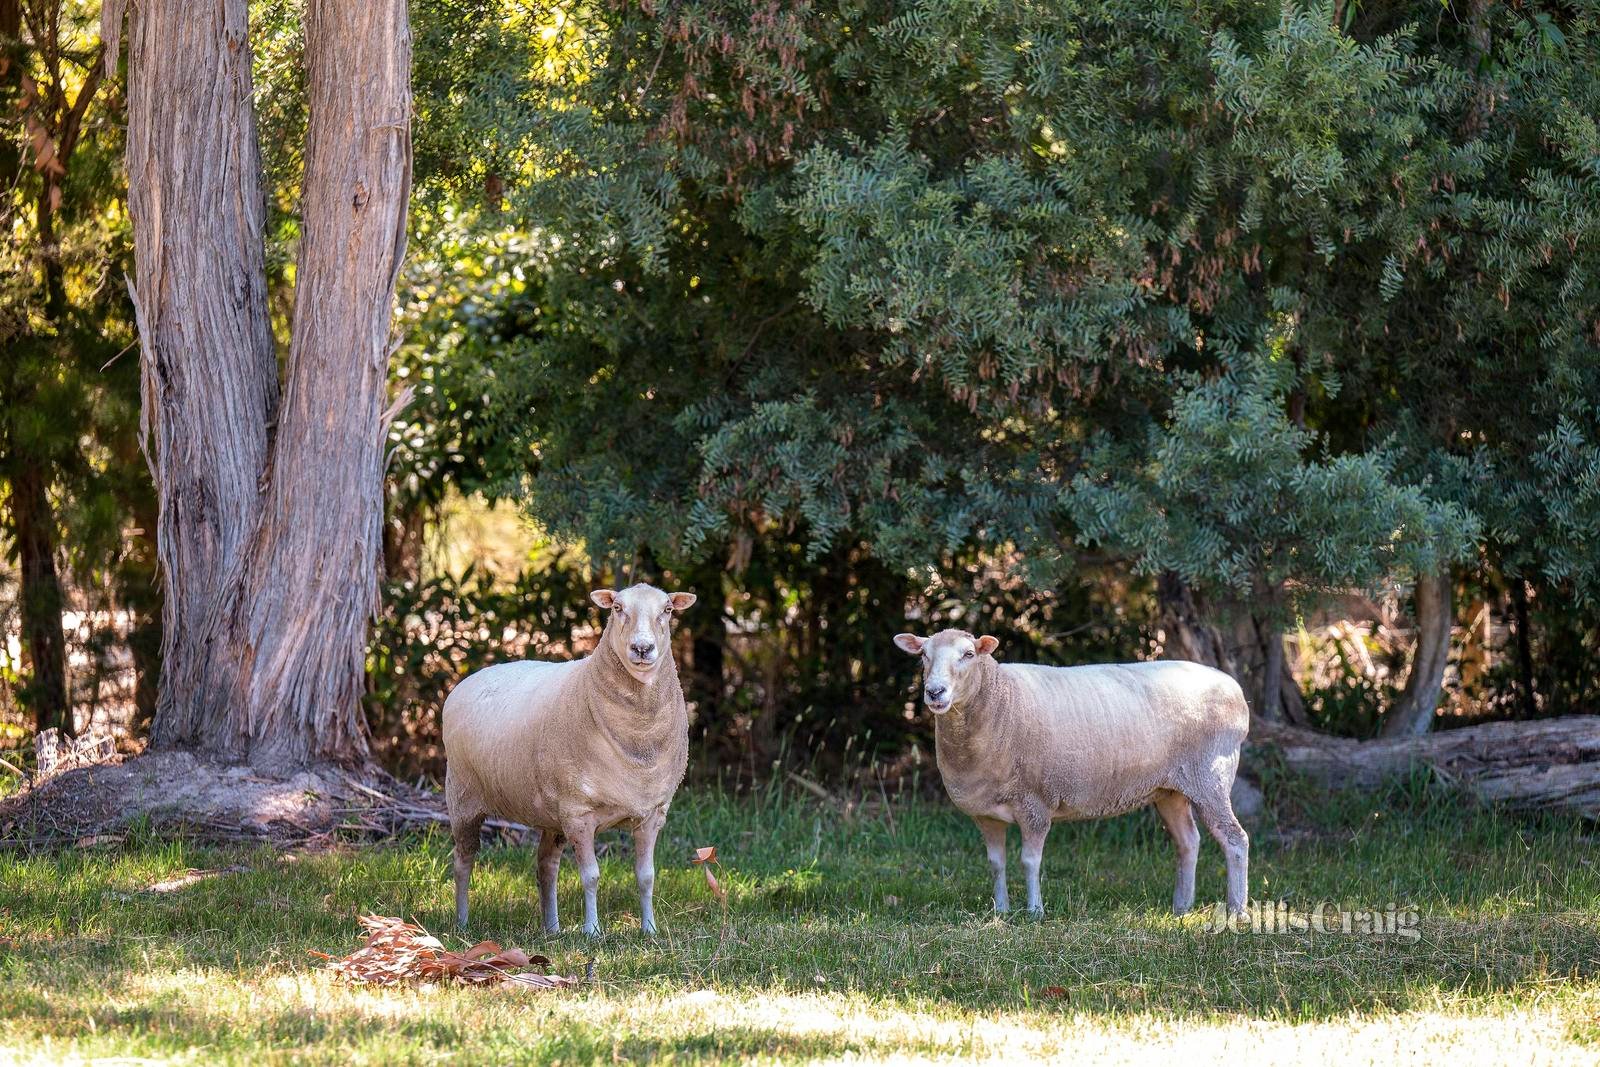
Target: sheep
574 748
1034 745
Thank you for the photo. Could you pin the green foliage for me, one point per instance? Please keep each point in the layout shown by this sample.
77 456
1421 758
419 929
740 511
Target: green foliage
452 297
995 292
1351 702
1233 495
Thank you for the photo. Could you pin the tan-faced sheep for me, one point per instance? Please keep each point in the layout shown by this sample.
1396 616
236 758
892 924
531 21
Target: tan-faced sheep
574 748
1035 745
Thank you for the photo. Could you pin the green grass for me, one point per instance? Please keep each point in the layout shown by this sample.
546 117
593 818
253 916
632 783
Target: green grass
867 938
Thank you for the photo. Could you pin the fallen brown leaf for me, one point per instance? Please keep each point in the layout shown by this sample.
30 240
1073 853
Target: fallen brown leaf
397 951
1054 992
482 949
704 858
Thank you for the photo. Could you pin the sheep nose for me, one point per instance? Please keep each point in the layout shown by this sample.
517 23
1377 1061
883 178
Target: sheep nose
642 648
936 692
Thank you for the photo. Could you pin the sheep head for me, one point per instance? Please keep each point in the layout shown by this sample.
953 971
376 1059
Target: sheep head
639 630
948 658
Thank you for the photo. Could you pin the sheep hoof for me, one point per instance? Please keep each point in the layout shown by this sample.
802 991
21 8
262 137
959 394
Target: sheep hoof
592 930
649 930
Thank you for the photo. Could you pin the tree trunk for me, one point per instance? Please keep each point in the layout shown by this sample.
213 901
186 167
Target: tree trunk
1480 40
708 631
1253 654
1186 633
1270 703
10 81
1524 636
1552 763
209 370
312 580
1414 709
272 516
40 595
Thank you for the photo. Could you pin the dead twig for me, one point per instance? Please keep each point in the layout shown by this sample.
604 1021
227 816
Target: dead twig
814 789
18 771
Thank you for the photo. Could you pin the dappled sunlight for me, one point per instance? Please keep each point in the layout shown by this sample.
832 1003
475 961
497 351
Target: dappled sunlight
874 942
827 1025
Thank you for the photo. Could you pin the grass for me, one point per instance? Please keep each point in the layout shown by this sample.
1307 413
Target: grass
866 938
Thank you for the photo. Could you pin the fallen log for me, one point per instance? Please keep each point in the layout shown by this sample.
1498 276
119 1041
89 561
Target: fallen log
1550 764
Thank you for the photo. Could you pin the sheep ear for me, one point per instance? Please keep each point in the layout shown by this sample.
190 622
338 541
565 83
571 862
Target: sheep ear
603 598
682 601
910 643
987 644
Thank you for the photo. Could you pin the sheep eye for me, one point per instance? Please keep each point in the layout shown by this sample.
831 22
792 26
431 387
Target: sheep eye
968 654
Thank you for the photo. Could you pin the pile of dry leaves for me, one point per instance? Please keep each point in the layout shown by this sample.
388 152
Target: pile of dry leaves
397 951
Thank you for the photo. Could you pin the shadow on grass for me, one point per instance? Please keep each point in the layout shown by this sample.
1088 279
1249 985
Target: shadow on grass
893 910
174 1025
1115 966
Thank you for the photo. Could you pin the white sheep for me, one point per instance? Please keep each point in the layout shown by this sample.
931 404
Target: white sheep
1034 745
574 748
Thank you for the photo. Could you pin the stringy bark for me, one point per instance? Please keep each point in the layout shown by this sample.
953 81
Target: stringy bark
271 512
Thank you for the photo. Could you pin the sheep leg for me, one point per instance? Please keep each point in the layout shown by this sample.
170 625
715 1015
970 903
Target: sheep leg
1216 811
550 842
1033 835
464 829
994 840
582 837
1177 815
644 870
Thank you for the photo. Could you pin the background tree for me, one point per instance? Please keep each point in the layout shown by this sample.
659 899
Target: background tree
68 406
1157 279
